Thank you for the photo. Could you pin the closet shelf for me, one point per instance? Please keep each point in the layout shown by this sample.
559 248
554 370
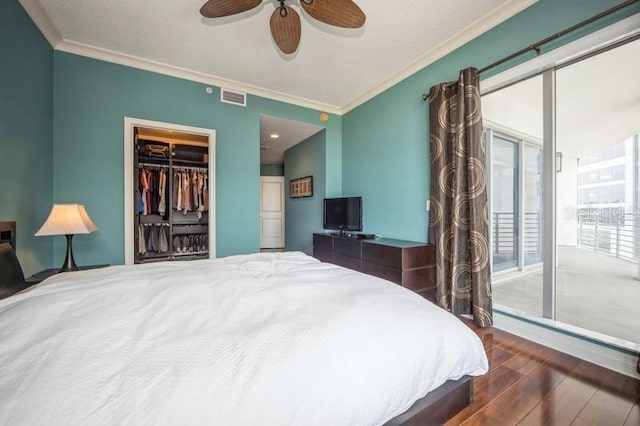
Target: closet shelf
154 255
153 218
190 229
178 162
193 253
177 220
152 161
190 219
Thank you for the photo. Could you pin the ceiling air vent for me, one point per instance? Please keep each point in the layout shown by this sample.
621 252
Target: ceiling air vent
236 98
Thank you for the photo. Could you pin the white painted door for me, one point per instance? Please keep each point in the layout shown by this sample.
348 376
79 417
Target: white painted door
271 212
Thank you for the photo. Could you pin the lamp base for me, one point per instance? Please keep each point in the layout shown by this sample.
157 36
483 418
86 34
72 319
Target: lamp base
69 264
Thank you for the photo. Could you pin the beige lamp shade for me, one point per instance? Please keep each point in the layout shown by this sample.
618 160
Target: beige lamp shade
67 219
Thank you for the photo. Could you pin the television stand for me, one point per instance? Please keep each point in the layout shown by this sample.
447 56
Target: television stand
408 263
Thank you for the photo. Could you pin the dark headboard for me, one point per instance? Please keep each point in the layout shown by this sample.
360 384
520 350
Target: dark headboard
8 233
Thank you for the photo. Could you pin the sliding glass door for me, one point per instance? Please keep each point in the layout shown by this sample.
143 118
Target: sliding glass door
513 133
597 285
564 154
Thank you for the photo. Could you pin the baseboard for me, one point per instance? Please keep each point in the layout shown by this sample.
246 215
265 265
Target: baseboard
621 360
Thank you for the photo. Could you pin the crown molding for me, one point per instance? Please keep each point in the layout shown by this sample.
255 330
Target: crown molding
112 56
462 37
42 20
40 17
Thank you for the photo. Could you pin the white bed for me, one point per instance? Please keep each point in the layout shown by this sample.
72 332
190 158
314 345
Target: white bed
263 339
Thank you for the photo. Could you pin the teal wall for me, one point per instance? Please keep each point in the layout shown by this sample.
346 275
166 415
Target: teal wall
385 143
61 135
91 99
304 215
271 169
26 96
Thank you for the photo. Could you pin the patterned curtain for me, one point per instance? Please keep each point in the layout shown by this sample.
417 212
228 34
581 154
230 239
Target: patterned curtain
459 221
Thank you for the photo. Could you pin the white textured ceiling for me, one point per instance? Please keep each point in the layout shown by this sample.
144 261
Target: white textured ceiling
333 69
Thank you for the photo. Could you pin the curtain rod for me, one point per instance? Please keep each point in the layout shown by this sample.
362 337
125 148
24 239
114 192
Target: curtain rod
536 46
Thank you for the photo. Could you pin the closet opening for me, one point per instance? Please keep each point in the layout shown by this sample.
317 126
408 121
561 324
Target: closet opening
169 192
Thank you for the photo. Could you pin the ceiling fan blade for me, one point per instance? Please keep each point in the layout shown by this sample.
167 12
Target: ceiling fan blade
339 13
286 29
220 8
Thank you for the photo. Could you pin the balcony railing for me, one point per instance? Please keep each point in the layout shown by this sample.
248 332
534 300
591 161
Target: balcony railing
619 237
505 229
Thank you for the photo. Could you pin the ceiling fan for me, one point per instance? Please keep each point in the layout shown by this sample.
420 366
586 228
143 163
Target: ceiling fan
285 21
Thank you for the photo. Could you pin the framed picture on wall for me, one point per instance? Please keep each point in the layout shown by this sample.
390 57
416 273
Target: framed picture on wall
301 187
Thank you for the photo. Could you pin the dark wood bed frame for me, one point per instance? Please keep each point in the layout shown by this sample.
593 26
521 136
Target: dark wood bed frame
437 406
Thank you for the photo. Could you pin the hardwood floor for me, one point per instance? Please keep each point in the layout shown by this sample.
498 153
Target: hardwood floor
530 384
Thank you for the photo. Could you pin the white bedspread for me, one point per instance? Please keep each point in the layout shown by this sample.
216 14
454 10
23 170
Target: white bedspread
264 339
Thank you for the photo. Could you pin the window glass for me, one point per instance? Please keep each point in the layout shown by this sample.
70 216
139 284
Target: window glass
513 119
596 276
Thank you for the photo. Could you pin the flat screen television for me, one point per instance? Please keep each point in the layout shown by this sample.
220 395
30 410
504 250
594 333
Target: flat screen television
344 213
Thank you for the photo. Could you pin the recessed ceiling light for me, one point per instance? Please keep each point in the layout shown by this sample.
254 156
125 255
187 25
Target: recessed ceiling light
274 136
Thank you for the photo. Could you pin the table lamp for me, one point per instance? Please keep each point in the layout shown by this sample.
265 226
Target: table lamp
67 220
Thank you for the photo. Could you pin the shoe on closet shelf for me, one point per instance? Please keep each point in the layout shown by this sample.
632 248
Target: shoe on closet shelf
185 243
196 243
201 247
177 245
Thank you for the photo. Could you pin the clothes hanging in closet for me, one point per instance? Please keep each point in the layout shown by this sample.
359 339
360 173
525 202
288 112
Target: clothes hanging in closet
190 191
153 192
153 237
